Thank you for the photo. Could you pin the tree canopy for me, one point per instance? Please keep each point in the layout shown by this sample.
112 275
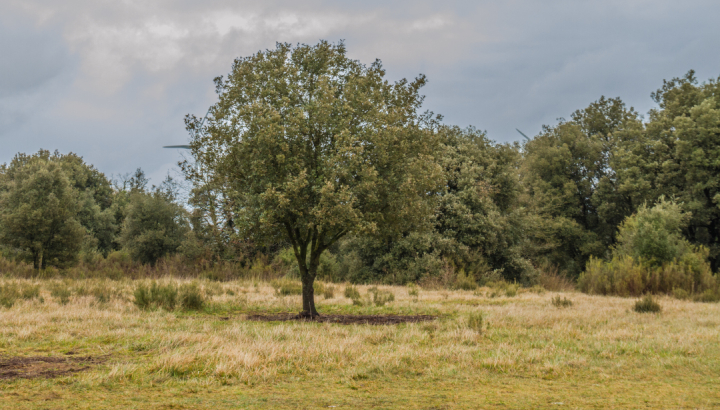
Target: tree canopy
312 146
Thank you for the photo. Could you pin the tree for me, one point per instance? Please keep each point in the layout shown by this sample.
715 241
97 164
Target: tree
478 207
38 209
570 173
676 155
313 146
154 226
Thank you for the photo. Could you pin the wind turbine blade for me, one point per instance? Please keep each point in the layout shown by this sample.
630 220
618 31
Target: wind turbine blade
521 133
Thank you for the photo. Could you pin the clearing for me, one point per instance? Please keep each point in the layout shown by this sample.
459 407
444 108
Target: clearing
83 344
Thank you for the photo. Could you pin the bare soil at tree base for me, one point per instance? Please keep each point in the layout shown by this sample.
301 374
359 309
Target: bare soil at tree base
345 319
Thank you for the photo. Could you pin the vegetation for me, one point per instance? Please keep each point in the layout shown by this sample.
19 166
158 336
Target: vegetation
312 166
516 351
647 305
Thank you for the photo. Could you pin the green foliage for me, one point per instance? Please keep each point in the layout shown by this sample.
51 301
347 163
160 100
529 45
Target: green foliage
709 295
12 291
328 292
351 292
464 282
572 188
38 211
154 226
286 287
190 297
651 257
156 296
381 297
503 288
654 234
61 291
647 305
322 145
561 302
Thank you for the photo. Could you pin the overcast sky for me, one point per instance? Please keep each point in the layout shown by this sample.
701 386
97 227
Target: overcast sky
112 80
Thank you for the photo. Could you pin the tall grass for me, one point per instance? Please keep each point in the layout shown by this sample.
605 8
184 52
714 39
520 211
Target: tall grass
626 276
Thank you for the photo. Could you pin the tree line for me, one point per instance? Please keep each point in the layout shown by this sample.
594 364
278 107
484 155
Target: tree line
311 154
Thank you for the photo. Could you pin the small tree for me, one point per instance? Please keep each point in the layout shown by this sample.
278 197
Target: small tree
312 145
38 209
154 226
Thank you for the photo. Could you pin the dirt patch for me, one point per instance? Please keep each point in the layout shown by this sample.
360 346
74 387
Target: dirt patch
35 367
346 319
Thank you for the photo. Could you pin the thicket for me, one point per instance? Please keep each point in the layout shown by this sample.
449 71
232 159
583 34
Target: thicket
618 203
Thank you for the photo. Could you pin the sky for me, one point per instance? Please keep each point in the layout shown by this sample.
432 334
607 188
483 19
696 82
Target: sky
113 80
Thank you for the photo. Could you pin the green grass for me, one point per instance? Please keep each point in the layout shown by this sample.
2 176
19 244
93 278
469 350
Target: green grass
522 353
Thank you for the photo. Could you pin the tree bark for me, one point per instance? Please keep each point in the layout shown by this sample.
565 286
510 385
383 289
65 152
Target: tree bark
308 275
38 259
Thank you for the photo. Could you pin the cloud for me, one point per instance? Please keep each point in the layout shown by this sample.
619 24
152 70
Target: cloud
112 80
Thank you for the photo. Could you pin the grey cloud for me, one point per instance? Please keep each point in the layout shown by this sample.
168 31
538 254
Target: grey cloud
112 80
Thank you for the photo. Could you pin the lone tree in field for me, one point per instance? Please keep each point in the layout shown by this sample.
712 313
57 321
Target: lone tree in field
310 145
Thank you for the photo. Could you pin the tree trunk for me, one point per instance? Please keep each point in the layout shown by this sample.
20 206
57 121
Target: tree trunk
38 259
308 274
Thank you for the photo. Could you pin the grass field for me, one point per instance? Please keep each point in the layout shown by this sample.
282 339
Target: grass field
525 353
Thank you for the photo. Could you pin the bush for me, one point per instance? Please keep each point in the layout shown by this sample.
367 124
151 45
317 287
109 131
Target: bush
647 305
8 295
156 296
60 291
503 288
286 287
626 276
329 292
464 282
475 321
191 298
351 292
413 291
709 296
563 302
651 256
381 297
551 279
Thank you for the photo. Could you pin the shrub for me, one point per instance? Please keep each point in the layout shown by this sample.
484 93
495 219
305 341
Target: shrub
552 280
60 291
563 302
28 291
191 298
503 288
651 256
8 295
413 291
156 296
286 287
475 321
351 292
647 305
329 292
710 295
464 282
626 276
381 297
680 293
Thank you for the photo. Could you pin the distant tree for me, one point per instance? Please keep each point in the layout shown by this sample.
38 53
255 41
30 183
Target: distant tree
479 205
312 146
38 211
572 184
154 226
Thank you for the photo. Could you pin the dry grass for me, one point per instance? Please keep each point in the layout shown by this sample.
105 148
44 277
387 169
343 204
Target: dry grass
522 353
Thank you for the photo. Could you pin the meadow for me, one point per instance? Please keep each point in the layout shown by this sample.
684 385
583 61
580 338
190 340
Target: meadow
85 344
